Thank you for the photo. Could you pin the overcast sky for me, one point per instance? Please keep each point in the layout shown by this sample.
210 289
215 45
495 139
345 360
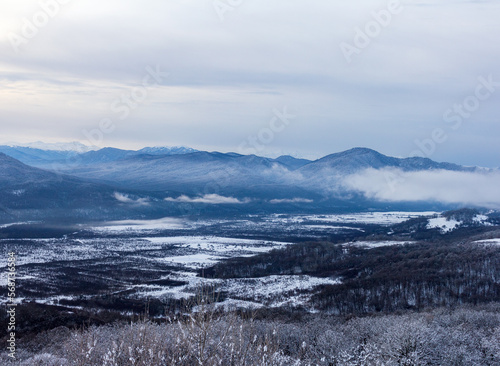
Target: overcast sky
74 70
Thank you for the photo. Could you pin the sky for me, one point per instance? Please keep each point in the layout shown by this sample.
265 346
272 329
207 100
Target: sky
300 77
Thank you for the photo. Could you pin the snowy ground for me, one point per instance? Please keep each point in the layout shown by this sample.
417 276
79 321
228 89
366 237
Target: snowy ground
377 218
270 291
443 224
40 260
159 259
489 241
446 225
298 225
377 244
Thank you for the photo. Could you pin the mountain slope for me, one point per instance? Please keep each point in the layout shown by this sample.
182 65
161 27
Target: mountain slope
28 192
242 175
60 156
166 180
196 173
356 159
33 156
15 173
327 174
291 162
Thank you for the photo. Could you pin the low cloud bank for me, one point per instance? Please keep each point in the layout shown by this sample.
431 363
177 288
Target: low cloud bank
126 199
292 200
213 199
472 188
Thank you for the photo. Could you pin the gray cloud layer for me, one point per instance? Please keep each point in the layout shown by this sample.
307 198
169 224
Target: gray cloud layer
478 188
213 199
225 77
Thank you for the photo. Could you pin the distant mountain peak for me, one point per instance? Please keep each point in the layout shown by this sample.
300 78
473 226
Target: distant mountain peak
56 146
359 151
357 154
167 150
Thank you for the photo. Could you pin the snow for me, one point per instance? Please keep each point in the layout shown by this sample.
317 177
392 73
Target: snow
218 244
482 220
377 244
443 224
331 227
3 226
199 250
380 218
271 286
232 304
3 278
301 225
58 146
271 291
495 241
217 248
166 223
183 255
446 225
192 261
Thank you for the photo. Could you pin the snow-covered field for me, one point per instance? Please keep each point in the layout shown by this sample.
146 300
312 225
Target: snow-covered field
159 259
446 225
299 224
270 291
377 244
443 224
38 261
377 218
166 223
200 249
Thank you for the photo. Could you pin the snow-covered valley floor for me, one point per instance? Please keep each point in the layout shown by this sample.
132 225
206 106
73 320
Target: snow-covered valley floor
163 259
56 270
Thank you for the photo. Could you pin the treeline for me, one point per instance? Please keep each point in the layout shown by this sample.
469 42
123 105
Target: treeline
384 279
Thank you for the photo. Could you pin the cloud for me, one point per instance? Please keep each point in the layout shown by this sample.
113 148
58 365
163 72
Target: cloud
291 200
212 199
126 199
469 188
78 66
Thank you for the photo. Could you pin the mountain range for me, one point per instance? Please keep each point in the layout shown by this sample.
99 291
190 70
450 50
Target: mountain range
157 181
47 156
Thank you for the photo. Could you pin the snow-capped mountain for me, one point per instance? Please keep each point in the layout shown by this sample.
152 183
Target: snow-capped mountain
57 146
60 155
166 150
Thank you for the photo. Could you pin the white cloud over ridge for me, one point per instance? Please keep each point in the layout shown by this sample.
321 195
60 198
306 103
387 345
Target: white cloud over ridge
126 199
479 188
213 199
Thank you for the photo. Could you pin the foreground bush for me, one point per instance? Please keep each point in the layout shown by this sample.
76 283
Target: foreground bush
466 336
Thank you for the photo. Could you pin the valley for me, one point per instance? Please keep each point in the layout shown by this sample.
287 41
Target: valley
121 265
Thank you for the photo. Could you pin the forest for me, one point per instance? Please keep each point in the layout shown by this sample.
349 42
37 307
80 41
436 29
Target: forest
383 279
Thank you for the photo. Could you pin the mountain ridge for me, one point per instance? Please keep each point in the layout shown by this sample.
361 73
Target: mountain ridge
112 179
231 172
